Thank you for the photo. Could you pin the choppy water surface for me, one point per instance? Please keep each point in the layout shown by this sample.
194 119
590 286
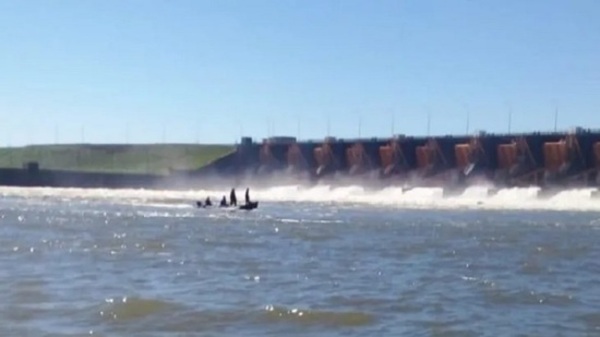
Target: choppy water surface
108 267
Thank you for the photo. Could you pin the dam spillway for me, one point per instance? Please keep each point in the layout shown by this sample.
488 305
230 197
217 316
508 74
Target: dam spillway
548 160
551 161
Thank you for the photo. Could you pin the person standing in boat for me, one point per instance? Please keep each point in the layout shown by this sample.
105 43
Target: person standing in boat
247 195
232 198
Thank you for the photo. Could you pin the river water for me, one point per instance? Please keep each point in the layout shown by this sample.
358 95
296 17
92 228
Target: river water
139 263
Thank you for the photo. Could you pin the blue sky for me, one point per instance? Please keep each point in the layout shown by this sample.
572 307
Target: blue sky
186 71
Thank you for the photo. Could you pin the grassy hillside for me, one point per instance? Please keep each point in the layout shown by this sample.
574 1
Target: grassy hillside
151 158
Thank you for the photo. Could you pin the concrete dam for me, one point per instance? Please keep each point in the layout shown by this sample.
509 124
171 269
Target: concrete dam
552 161
556 160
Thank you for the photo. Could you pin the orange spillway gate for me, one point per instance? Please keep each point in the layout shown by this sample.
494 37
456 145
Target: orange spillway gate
507 155
387 158
428 155
466 154
555 155
559 155
294 157
391 157
463 155
323 156
357 158
425 156
265 155
517 163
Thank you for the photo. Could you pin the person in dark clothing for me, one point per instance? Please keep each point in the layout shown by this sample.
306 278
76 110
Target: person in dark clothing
223 202
232 198
207 202
247 195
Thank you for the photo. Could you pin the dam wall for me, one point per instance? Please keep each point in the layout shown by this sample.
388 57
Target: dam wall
548 160
557 159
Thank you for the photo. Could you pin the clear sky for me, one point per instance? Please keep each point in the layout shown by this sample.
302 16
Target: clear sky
186 71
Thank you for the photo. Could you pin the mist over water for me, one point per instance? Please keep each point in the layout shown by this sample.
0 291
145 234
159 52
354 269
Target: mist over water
475 197
310 261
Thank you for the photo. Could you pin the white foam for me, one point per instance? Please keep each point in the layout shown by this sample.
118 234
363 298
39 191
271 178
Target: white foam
473 197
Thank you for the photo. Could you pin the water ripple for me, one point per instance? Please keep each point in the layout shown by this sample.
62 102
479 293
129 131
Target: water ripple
75 266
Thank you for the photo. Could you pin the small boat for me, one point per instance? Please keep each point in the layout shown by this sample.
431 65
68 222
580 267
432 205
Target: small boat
249 206
207 203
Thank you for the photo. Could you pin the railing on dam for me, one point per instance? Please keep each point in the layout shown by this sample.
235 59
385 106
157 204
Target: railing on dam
480 133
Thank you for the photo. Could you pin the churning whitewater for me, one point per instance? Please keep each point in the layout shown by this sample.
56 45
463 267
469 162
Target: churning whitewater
394 197
319 261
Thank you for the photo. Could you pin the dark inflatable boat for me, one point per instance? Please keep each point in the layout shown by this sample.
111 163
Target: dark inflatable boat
249 206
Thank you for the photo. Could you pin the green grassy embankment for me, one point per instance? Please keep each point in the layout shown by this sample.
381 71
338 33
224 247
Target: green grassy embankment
142 158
